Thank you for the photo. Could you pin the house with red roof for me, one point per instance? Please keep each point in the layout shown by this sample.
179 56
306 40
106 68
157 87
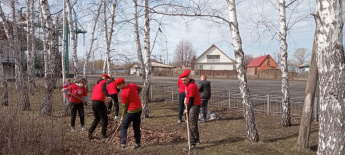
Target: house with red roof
261 63
214 59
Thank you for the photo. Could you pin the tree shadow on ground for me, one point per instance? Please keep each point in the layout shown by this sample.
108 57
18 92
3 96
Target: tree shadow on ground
230 118
287 137
162 116
295 124
203 144
220 142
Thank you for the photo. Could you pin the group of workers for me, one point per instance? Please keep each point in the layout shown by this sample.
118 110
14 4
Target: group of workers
105 95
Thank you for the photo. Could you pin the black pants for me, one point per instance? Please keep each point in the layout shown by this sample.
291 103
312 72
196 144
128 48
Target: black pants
126 121
193 123
115 101
204 104
181 104
100 114
80 108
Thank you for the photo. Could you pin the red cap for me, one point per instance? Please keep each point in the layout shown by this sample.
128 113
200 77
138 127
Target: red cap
185 73
119 81
106 76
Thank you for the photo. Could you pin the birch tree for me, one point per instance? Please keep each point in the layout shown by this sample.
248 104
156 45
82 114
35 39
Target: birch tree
147 82
252 132
30 44
108 36
63 56
52 73
92 39
3 78
330 64
137 38
286 112
32 83
45 52
20 81
73 39
304 129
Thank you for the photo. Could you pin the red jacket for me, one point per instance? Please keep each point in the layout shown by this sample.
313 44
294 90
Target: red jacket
130 96
180 85
97 92
111 87
192 90
77 93
68 91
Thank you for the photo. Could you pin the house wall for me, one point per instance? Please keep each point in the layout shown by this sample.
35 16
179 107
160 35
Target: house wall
251 70
213 51
229 66
263 66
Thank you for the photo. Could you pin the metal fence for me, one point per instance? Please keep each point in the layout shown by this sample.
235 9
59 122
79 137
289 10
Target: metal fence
269 104
263 103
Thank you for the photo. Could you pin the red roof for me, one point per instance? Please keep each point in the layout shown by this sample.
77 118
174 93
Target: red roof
256 62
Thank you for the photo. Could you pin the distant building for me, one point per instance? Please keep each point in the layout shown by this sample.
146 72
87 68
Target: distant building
291 68
304 67
8 65
261 63
156 66
214 59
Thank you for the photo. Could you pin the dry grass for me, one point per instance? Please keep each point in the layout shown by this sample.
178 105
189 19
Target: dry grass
24 132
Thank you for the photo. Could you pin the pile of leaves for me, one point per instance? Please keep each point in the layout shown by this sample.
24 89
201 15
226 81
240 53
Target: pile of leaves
148 136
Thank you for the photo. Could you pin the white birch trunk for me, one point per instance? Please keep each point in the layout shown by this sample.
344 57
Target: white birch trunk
63 52
137 39
330 63
286 112
92 40
45 52
252 132
108 36
32 82
50 79
147 82
107 48
73 39
29 61
20 80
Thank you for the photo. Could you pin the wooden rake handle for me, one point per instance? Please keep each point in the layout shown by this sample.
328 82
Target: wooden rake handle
112 137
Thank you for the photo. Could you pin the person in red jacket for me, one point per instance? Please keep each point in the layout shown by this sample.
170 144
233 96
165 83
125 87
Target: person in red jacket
181 97
67 96
77 93
131 111
99 108
113 91
192 103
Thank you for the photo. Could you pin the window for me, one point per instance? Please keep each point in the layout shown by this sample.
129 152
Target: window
200 66
256 71
213 58
268 61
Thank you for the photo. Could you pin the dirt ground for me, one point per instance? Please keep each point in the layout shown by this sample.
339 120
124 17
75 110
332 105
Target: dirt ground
161 134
